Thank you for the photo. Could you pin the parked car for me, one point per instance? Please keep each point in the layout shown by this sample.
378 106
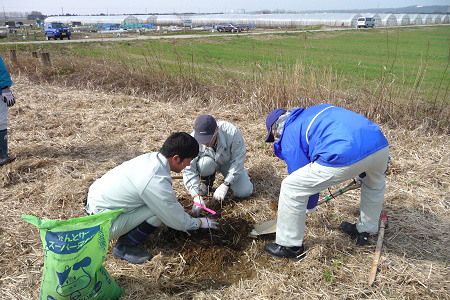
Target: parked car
244 27
56 30
365 22
228 27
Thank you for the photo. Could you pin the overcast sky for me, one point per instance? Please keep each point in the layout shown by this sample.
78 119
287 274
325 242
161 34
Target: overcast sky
198 6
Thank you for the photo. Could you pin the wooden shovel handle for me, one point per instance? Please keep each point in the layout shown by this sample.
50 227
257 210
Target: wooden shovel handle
378 248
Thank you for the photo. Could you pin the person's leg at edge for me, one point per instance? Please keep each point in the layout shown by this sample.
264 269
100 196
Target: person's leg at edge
4 147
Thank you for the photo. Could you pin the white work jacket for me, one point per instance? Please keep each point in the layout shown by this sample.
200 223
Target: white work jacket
229 157
144 180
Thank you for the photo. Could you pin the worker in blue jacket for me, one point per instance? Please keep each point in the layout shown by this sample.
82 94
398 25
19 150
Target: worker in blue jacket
324 145
7 101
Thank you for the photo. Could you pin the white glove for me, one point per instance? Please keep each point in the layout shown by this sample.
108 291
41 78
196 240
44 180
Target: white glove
8 97
197 209
208 223
310 211
221 192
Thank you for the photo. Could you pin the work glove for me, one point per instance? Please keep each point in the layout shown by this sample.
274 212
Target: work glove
221 192
8 97
208 223
197 209
311 210
358 179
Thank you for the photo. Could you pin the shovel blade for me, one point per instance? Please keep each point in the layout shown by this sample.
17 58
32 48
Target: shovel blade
266 227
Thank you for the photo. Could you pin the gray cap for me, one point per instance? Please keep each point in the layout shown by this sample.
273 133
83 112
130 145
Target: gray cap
204 128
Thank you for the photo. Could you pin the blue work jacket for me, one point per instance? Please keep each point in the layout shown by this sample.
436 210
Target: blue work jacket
5 78
329 135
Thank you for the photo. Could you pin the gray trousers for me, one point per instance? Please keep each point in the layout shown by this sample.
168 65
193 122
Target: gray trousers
127 221
3 115
313 178
242 187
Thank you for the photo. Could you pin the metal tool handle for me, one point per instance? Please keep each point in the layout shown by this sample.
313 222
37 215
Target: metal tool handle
351 186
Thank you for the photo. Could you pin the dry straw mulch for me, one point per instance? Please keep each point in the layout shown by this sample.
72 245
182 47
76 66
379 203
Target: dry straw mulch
64 138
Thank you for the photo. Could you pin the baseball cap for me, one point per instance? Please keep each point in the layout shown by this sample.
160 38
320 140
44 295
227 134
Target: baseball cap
272 118
204 128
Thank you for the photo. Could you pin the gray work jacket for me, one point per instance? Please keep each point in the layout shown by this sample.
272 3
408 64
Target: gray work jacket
144 180
229 156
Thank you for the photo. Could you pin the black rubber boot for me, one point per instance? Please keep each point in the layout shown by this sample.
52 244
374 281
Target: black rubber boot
293 253
362 238
4 159
128 245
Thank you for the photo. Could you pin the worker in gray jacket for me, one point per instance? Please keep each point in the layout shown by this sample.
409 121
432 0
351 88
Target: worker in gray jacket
142 187
222 148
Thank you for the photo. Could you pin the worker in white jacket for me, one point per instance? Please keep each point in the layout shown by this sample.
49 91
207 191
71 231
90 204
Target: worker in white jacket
142 187
222 148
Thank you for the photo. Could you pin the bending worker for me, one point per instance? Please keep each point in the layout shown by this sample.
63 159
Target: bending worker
8 101
222 148
142 187
325 145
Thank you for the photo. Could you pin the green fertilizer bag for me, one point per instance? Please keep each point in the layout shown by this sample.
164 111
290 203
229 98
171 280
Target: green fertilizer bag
74 252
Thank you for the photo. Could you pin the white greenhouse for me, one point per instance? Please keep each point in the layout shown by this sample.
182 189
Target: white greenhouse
402 19
436 19
93 20
416 19
388 20
445 19
257 20
427 19
263 20
342 20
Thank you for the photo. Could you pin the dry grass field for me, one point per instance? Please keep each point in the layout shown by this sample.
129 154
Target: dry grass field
65 136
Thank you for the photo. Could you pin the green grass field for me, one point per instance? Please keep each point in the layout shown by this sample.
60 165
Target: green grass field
405 57
365 54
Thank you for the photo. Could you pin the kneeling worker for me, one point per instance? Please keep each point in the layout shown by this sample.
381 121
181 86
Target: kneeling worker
325 145
222 148
142 187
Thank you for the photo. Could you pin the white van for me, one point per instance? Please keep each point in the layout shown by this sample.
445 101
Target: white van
365 22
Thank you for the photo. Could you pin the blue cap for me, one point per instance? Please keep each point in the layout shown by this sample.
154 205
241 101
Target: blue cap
204 128
272 118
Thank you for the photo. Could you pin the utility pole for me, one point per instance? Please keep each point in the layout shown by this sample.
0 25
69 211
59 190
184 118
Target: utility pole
4 14
62 11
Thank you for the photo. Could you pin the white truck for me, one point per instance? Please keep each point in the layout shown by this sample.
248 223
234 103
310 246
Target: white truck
365 22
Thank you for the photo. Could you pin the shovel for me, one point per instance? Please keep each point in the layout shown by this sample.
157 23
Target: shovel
270 226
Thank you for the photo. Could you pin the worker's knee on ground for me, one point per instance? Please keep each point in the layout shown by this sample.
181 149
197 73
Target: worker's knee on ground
206 166
244 191
154 221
